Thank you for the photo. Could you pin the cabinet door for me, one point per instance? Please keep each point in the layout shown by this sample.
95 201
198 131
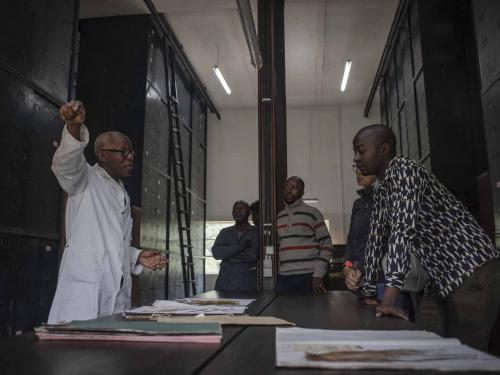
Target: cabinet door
30 130
415 37
36 41
421 105
412 126
487 21
491 113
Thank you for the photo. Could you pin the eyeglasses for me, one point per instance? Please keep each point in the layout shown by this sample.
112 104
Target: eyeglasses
124 151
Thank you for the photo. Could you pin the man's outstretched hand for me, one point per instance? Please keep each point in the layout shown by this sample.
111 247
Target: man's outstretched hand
152 259
391 310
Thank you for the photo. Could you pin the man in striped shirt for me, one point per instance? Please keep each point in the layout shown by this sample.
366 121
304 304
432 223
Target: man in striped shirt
305 246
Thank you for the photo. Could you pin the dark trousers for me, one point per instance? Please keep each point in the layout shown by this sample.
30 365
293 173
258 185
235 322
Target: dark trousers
468 313
294 283
238 278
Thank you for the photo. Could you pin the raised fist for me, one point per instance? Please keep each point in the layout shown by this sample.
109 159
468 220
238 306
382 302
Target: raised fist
73 112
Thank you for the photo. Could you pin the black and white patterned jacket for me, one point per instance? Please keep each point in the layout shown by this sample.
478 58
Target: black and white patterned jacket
414 212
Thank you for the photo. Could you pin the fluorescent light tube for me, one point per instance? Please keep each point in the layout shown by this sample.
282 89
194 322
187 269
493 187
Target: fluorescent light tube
347 69
248 26
310 200
222 80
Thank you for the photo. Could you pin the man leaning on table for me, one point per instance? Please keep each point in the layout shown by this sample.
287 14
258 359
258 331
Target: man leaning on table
414 213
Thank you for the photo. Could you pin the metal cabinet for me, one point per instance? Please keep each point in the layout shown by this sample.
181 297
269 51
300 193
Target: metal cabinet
143 69
429 92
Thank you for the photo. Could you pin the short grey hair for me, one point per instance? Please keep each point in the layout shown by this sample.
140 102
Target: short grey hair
106 138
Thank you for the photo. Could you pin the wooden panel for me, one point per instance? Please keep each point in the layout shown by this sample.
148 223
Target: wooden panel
412 127
156 131
406 55
487 20
415 36
30 130
156 65
391 91
404 131
421 105
383 104
184 97
397 132
399 51
491 113
36 41
199 119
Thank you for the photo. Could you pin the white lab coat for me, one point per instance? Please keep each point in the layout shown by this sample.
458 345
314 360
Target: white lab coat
98 234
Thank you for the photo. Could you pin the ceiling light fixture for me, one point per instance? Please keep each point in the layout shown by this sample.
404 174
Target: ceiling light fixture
219 75
223 82
310 200
347 69
246 18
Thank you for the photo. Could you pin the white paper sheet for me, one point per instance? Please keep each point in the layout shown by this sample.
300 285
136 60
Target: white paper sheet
419 350
190 307
229 301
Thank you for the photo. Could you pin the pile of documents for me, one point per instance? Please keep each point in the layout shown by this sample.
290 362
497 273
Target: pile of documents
192 306
108 329
415 350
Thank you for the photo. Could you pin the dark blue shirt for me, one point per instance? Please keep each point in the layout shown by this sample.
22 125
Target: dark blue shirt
359 228
239 253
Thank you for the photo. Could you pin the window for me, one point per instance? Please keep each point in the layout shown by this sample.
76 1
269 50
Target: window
212 229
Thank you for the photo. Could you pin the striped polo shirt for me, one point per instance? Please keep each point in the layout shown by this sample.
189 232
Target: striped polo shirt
305 245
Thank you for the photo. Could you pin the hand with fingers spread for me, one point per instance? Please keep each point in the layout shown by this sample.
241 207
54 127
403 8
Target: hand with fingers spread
372 301
388 305
391 310
152 259
318 285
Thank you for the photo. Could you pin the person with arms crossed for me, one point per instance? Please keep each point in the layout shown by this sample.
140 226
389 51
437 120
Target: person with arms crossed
238 248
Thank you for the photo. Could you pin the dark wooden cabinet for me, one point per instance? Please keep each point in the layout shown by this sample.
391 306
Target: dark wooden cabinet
487 23
429 93
36 45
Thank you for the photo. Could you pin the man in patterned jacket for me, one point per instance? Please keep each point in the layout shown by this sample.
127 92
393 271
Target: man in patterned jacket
414 213
305 246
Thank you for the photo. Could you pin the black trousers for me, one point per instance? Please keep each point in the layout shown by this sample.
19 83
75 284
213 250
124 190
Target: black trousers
468 313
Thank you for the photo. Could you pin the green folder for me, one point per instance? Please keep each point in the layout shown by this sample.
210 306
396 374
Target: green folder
134 327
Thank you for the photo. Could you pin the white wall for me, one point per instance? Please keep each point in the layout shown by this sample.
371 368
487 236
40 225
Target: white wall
319 150
232 161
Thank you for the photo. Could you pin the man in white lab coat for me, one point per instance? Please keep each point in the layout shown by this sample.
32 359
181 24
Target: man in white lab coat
95 272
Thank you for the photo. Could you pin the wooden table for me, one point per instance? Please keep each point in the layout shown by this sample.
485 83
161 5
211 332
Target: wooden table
249 350
24 355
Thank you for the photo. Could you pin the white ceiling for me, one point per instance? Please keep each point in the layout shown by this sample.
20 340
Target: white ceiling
319 36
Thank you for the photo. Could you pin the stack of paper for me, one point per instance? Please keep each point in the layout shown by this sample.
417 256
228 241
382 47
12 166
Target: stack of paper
124 330
193 306
416 350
